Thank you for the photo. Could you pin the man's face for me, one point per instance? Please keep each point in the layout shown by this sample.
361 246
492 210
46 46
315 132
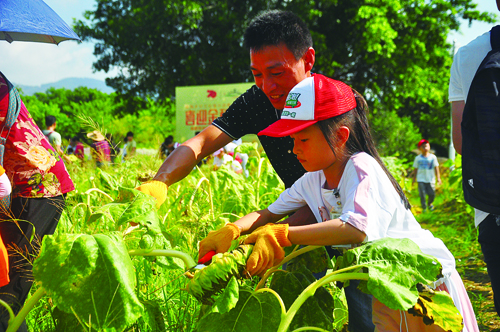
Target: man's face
276 72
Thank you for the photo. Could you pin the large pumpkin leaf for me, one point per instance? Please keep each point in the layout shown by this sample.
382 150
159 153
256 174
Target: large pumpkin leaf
130 206
395 267
254 312
317 311
436 307
91 276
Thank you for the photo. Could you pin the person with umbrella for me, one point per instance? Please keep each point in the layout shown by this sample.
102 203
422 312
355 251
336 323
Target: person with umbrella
38 175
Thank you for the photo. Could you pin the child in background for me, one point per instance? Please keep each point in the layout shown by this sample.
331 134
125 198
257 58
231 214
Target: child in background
221 158
426 171
350 191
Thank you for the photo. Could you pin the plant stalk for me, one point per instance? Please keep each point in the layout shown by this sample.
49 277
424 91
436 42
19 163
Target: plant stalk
310 290
15 322
285 260
188 261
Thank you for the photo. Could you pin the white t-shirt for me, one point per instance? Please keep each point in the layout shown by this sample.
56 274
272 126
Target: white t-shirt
366 199
465 64
228 160
426 168
54 137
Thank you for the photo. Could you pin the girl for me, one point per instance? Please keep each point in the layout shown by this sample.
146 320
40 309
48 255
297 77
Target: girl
352 194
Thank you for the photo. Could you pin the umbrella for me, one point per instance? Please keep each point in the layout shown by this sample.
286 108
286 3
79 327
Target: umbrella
33 21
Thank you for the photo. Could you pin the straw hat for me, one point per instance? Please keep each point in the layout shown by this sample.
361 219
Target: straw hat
96 136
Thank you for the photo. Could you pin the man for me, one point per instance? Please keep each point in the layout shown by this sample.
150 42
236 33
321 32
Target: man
465 64
53 136
278 61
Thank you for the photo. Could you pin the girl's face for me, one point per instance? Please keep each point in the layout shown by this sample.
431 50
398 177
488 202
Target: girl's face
312 149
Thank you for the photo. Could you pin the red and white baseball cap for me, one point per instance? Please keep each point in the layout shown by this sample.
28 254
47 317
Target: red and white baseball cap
422 141
314 99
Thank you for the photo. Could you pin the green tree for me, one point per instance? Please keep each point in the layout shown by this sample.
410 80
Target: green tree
151 121
393 51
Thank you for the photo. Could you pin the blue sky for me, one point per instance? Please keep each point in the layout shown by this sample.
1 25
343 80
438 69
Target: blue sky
36 63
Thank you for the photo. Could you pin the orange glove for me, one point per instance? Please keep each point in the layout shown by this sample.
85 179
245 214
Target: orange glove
268 250
2 170
219 240
154 188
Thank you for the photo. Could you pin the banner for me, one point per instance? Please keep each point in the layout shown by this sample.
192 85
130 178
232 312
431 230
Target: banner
198 106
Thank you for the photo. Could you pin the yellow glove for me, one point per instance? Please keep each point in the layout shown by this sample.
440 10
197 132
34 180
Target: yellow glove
267 251
2 170
219 240
157 189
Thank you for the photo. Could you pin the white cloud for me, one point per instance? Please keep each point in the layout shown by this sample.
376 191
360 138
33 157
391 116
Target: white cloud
37 63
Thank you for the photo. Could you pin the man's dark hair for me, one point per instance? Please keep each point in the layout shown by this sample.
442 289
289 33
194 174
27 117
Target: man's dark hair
273 27
130 134
50 120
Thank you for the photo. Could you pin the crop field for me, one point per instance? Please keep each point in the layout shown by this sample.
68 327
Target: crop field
95 229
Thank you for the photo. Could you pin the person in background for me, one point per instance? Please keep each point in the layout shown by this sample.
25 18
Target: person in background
465 64
40 182
75 148
221 158
53 136
130 146
114 148
100 149
167 147
426 170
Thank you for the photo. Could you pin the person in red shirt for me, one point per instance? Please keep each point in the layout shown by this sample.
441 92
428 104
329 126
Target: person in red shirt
39 183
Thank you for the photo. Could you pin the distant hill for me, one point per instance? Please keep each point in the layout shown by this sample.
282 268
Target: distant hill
67 83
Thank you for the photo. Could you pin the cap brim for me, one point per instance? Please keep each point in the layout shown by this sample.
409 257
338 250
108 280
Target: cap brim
285 127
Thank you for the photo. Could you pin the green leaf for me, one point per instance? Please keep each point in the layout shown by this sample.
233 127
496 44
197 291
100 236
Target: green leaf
317 310
108 181
395 267
254 312
315 260
90 276
228 299
131 206
152 316
437 307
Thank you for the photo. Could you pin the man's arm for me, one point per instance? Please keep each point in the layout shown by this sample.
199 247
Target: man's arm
185 157
457 110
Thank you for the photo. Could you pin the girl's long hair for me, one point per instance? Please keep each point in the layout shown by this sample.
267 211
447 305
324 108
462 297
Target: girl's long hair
360 138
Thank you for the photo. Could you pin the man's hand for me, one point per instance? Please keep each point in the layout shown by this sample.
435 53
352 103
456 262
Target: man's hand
219 240
156 189
267 251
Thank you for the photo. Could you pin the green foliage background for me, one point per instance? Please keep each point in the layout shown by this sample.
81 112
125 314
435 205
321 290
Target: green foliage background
151 120
395 52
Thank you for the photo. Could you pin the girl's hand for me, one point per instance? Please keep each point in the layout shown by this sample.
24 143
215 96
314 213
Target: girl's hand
219 240
267 251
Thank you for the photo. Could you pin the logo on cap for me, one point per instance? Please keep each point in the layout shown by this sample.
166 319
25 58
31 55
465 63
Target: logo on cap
293 100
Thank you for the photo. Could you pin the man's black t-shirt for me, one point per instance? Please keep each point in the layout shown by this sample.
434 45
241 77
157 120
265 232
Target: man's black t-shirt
251 113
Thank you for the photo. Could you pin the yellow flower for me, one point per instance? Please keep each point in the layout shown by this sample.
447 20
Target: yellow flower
40 158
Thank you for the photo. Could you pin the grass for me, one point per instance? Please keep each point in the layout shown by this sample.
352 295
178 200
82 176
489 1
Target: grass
453 222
